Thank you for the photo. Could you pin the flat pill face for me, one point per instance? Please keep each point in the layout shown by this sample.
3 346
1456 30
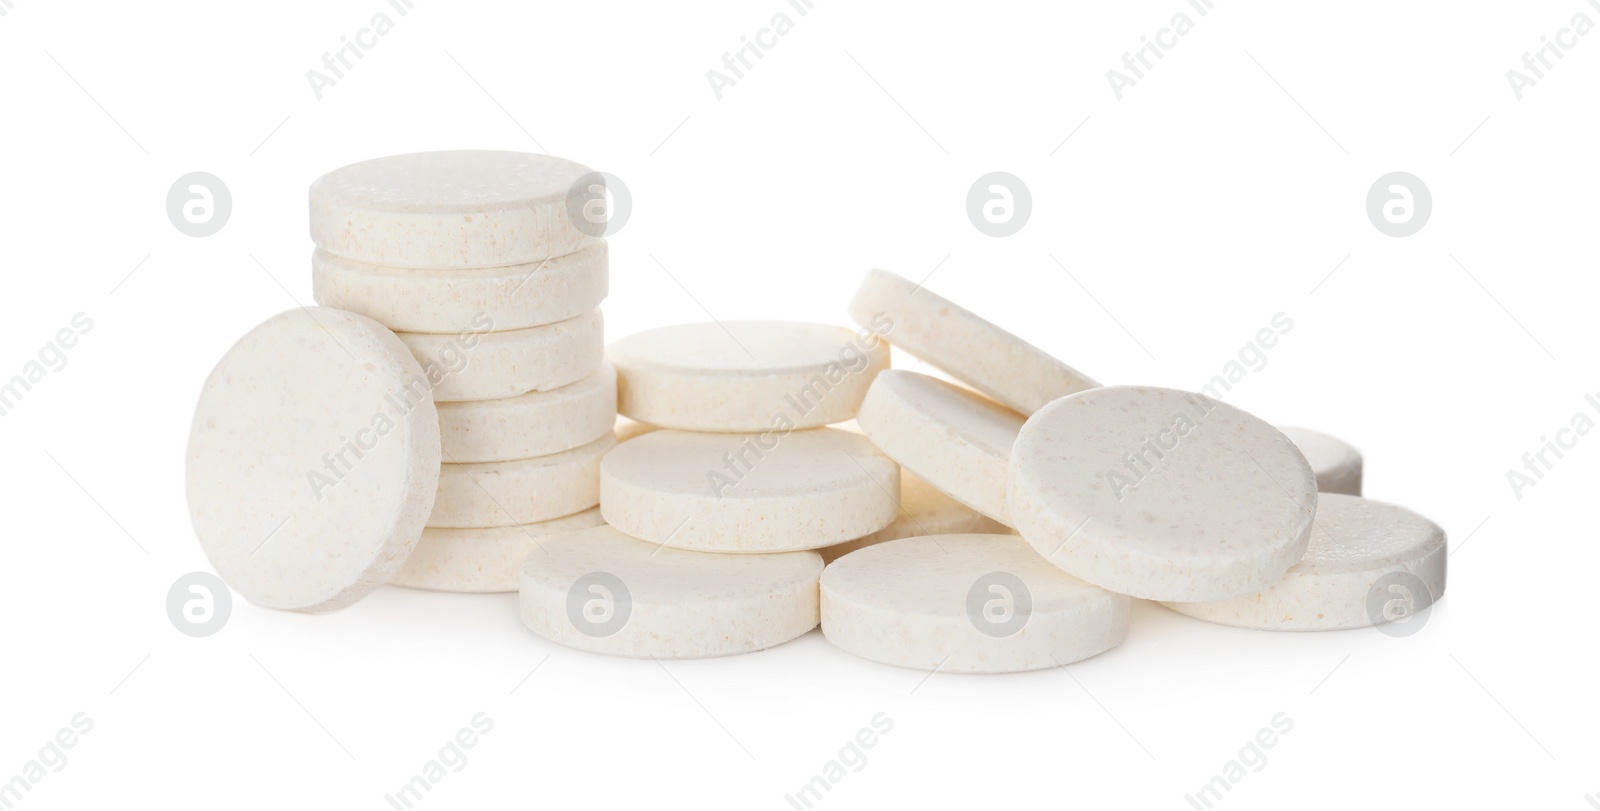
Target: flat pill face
767 492
745 375
1364 556
312 460
1161 494
603 591
966 604
1336 463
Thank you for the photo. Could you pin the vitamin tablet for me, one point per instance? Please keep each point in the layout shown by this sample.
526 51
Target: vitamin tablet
457 209
1336 463
744 376
923 511
534 424
522 491
482 560
447 300
1006 368
772 492
1161 494
312 461
958 441
602 591
966 604
1363 554
481 364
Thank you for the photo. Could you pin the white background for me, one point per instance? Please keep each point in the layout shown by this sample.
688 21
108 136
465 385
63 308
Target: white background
1183 217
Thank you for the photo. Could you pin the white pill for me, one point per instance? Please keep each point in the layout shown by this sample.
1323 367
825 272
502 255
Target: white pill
312 462
923 511
447 300
1364 556
480 364
966 604
482 560
522 491
772 492
460 209
1001 365
533 424
745 375
957 440
1161 494
602 591
1337 463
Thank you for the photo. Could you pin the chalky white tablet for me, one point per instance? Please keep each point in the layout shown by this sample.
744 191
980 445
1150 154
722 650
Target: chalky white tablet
957 440
1336 463
447 300
521 491
457 209
1001 365
745 375
478 363
966 604
771 492
312 462
923 511
482 560
1364 555
1161 494
533 424
600 590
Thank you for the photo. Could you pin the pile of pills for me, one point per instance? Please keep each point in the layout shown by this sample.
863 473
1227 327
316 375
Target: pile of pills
447 419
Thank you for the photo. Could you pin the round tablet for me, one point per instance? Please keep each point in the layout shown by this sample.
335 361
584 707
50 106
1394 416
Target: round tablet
966 604
1001 365
1359 550
602 591
771 492
522 491
447 300
1336 463
745 375
459 209
312 463
533 424
923 511
482 560
957 440
479 364
1161 494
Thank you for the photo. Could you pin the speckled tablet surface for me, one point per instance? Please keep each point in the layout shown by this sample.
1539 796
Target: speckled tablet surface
482 560
1006 368
1359 549
958 441
447 300
481 363
455 209
600 590
745 375
1337 463
533 424
311 464
521 491
966 604
748 492
923 511
1161 494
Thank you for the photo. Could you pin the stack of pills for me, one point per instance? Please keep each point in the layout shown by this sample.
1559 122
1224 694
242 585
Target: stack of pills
474 261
